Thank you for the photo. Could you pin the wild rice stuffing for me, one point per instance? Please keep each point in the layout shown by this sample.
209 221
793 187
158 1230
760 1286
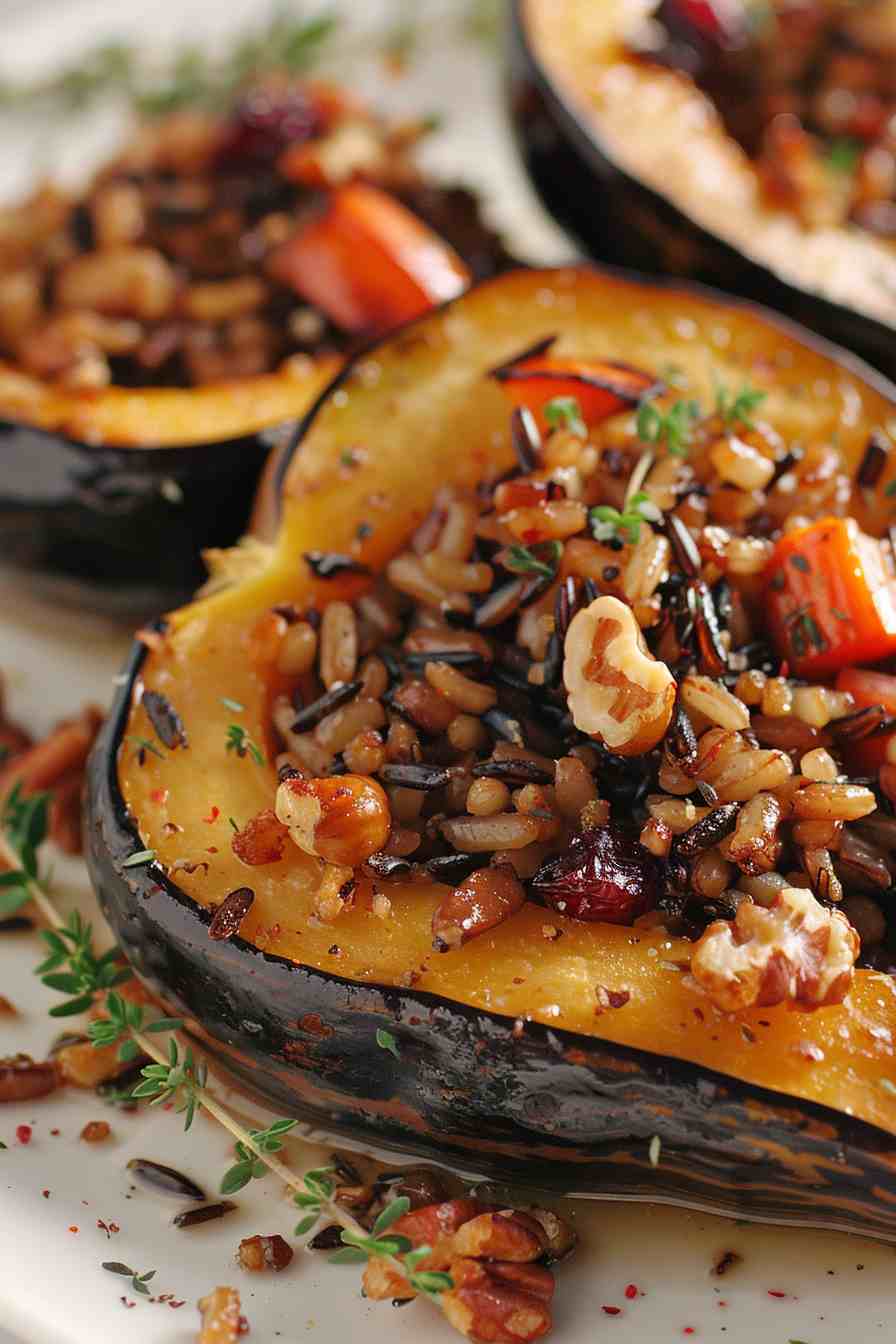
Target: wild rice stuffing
571 688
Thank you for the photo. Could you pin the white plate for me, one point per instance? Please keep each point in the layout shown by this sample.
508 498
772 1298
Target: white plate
789 1285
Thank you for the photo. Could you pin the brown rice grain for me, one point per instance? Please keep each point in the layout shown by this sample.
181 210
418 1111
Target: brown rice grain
479 835
818 705
298 650
866 917
762 887
711 874
338 644
573 787
459 529
365 753
833 802
336 731
740 464
467 733
714 701
406 573
777 698
749 686
819 766
461 575
471 697
486 797
374 677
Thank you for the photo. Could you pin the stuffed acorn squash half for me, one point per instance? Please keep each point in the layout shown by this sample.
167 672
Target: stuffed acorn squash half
156 331
746 145
508 806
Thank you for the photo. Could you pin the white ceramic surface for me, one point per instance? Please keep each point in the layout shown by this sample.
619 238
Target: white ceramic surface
57 1191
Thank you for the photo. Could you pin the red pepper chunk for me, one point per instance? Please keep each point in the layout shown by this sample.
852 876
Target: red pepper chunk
868 688
600 387
368 262
830 598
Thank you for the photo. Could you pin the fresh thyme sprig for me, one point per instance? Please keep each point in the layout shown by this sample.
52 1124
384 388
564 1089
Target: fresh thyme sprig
176 1076
566 413
542 558
239 740
23 829
609 524
138 1281
737 408
250 1166
672 428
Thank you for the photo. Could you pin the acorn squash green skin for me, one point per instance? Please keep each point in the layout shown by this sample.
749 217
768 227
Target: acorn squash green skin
526 1104
120 529
617 219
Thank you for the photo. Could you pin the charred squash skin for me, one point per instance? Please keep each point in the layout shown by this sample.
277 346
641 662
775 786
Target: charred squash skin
108 498
622 221
505 1067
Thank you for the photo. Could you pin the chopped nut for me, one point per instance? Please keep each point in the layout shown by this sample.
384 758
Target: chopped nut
795 952
484 900
499 1302
259 1253
261 840
96 1131
24 1079
500 1236
343 819
221 1321
618 692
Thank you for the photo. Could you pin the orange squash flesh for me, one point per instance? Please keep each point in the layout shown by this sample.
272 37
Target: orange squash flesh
418 412
163 417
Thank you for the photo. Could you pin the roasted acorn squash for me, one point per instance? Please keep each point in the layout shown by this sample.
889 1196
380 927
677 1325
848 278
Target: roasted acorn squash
625 154
109 497
501 1064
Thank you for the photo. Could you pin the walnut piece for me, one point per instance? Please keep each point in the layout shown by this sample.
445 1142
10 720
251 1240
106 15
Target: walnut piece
618 692
795 952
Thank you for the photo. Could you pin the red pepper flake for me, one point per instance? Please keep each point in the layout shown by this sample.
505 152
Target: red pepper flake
159 796
214 814
73 1228
23 1133
174 1305
689 1330
776 1292
612 1311
45 1193
55 1133
212 849
631 1291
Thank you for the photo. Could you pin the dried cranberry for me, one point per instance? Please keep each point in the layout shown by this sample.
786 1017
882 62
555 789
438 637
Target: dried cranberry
605 874
264 122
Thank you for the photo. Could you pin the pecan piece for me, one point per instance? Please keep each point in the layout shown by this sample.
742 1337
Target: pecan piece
484 900
506 1235
259 1253
343 819
435 1226
261 840
499 1303
24 1079
794 952
618 692
221 1320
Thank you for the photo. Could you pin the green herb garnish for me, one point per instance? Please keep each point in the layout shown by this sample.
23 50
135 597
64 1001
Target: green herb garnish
238 740
843 155
140 858
142 744
233 705
386 1041
566 413
138 1281
250 1167
672 427
609 524
526 559
737 409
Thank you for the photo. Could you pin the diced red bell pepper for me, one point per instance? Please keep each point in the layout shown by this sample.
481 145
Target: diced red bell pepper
600 387
830 598
368 262
868 688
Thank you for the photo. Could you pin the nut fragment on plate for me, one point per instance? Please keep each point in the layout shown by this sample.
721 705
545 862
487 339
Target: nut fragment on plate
794 952
221 1320
24 1079
259 1253
618 692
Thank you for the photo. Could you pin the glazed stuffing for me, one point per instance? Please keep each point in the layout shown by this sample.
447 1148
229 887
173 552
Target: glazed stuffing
809 91
619 681
214 247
